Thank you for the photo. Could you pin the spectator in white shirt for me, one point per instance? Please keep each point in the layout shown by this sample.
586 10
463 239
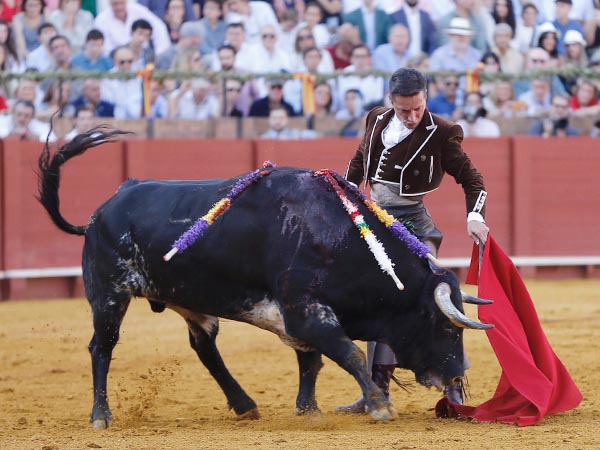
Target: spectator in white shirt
22 125
293 89
267 57
526 28
40 58
73 22
125 94
116 21
305 39
253 14
312 20
371 87
235 36
195 99
537 98
474 122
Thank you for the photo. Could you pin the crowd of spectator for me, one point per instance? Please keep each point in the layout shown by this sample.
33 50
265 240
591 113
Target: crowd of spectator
265 43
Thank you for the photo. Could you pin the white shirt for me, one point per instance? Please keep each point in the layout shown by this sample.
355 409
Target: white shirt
395 132
261 14
325 66
369 21
40 129
413 17
263 61
260 60
117 33
482 127
187 108
371 87
126 95
535 108
39 59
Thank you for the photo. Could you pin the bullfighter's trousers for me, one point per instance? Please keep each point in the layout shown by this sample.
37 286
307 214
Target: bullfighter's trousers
414 215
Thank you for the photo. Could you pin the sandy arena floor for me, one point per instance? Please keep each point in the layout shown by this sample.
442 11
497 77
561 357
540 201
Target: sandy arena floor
163 398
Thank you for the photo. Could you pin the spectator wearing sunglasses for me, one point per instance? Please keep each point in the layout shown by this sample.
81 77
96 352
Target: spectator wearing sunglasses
557 122
253 15
267 57
538 59
445 102
125 94
303 41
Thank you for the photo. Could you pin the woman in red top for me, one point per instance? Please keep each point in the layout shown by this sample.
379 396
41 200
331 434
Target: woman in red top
584 101
8 8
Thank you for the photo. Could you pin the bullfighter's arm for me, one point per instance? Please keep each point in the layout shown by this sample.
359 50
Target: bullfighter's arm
458 164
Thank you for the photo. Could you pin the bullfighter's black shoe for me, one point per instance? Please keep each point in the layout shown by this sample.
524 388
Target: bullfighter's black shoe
381 375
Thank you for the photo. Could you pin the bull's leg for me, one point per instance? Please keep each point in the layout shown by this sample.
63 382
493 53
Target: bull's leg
309 364
203 332
108 314
317 325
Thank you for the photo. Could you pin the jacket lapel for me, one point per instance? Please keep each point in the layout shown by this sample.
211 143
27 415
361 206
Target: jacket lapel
420 137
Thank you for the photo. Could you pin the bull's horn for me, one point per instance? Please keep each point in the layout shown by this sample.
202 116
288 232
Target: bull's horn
474 300
444 302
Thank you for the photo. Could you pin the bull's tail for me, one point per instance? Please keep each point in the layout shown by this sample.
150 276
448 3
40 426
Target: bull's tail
49 172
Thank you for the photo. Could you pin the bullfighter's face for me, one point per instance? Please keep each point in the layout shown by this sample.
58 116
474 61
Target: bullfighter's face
409 109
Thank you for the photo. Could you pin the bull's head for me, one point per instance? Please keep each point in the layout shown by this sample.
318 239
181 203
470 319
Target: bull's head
436 353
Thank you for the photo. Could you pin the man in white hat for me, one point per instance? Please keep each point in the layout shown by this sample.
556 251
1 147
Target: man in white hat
458 55
480 20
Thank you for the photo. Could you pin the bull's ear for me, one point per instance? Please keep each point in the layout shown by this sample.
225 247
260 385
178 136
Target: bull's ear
444 303
474 300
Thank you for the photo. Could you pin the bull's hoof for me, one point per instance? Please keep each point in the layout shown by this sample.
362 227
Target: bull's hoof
101 424
358 407
251 414
383 413
313 410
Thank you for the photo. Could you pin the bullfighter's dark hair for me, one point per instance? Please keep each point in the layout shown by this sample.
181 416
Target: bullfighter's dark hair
407 82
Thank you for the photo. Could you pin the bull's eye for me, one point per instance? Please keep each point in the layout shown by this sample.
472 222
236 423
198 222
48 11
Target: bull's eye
449 329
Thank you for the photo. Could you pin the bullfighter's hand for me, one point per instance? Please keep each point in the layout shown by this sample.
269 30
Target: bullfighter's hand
478 231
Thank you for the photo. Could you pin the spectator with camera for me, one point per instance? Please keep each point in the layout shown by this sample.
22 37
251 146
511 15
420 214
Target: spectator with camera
557 123
474 121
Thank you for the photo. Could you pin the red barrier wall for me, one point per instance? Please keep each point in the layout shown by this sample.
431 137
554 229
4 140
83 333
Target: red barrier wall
30 240
542 194
447 205
557 196
330 153
172 159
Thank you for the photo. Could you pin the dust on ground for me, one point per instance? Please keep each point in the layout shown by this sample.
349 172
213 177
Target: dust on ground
163 398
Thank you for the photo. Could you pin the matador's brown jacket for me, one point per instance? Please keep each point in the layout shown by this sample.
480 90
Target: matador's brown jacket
417 164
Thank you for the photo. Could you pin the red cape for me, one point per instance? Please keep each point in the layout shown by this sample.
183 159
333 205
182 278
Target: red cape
534 382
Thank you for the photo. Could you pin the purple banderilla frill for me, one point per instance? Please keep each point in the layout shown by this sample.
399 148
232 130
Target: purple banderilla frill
199 227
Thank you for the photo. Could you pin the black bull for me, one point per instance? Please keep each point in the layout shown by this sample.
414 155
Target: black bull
285 257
